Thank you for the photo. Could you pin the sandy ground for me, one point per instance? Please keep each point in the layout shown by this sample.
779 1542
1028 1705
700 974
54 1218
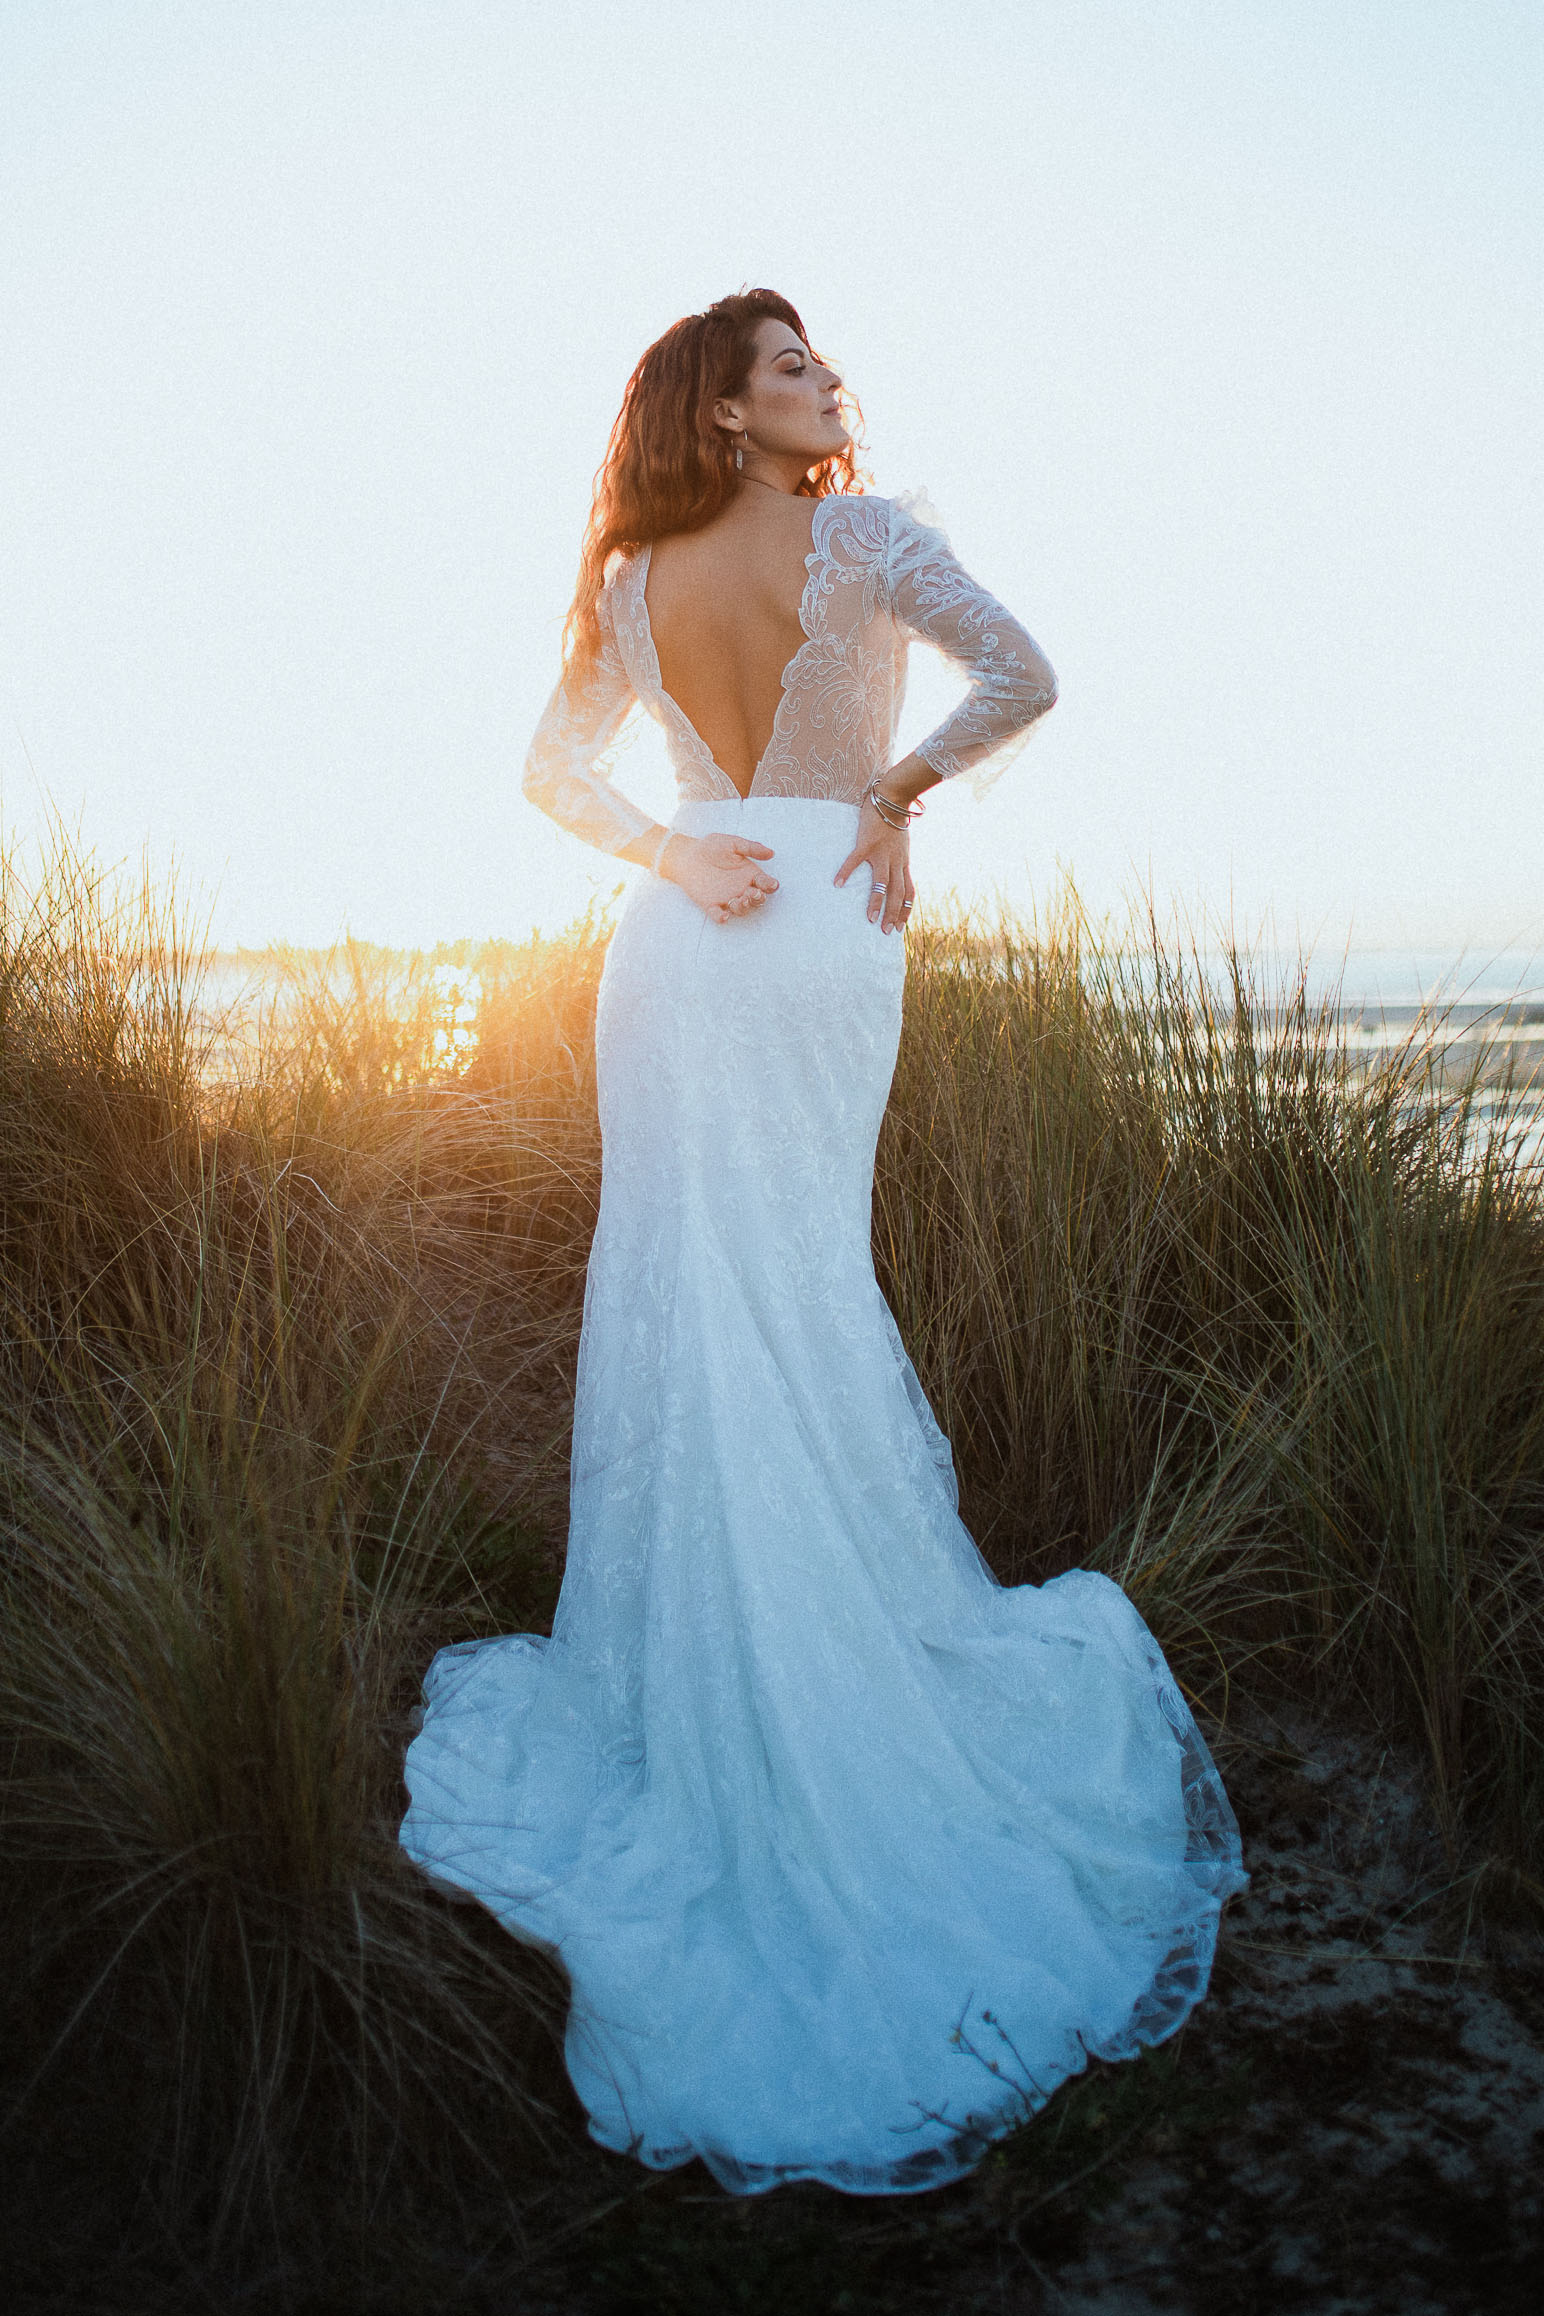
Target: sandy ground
1352 2125
1389 2151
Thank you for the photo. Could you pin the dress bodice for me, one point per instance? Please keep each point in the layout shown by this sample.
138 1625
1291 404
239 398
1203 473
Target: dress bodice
877 577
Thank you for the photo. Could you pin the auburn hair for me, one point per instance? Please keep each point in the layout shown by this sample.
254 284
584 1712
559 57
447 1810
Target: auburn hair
668 467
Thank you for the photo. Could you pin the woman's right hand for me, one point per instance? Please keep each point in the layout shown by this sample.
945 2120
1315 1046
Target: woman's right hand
719 873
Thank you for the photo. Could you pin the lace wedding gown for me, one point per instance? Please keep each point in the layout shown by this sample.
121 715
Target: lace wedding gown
851 1853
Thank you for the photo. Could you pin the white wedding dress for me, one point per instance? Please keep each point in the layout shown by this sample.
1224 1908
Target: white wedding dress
851 1853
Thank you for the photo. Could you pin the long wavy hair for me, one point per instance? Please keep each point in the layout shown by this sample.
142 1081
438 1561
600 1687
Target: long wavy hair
668 467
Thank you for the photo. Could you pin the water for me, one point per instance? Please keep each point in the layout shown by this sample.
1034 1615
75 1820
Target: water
1415 978
1483 1010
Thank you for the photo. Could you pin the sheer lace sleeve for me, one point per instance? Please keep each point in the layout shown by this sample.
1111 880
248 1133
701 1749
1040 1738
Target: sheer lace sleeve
568 766
1011 680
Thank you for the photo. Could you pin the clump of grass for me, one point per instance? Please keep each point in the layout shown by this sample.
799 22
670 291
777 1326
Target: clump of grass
238 1505
1204 1301
288 1306
208 1918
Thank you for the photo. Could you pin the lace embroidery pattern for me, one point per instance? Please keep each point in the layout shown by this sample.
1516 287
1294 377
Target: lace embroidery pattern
1012 682
880 575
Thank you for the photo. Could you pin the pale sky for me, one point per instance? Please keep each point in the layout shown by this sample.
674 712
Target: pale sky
1212 328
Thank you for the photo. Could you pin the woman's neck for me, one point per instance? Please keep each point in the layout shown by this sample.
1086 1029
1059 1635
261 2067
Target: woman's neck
773 474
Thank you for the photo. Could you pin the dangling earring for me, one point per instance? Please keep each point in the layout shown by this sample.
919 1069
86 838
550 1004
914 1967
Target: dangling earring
739 457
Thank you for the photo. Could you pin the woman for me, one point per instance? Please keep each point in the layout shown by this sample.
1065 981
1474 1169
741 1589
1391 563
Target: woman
852 1854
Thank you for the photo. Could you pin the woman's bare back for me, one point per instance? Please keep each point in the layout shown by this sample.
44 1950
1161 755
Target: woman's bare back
723 607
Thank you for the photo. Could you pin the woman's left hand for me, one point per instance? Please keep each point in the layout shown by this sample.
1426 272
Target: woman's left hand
886 852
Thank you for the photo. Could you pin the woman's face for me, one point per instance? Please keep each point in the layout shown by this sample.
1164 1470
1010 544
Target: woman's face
789 405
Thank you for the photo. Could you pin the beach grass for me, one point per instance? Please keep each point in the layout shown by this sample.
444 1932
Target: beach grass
289 1300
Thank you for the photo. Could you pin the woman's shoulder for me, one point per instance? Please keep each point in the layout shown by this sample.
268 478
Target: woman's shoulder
865 512
885 520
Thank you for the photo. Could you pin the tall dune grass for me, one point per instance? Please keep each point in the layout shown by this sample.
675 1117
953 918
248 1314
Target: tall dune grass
288 1309
1205 1301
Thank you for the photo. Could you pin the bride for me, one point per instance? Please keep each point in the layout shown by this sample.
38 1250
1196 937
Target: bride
851 1853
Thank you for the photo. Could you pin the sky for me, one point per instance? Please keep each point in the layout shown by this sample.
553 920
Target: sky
1211 327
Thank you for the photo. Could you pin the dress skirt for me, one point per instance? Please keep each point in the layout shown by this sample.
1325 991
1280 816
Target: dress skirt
852 1854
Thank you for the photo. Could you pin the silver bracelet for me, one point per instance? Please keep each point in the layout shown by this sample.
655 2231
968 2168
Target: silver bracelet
887 808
